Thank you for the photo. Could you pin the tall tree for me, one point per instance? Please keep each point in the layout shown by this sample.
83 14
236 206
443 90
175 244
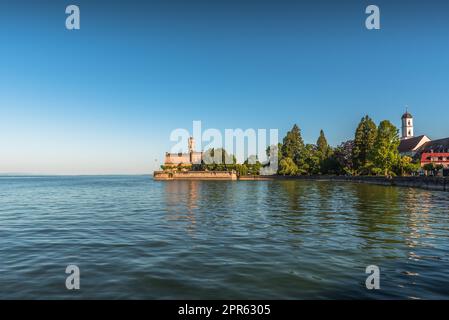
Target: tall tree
385 154
324 153
322 146
292 144
365 137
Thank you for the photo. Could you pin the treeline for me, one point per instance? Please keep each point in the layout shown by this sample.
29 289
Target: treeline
220 160
373 151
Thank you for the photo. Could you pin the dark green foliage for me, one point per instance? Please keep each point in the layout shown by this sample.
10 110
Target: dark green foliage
365 137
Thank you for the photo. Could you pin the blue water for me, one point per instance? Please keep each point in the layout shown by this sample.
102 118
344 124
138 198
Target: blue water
135 238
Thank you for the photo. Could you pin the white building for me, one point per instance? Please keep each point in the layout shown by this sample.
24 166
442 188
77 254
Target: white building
407 125
409 143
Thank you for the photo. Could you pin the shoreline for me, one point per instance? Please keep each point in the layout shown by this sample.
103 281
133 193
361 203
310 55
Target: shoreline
421 182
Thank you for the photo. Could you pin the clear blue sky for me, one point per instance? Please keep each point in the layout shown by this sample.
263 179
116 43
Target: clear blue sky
104 99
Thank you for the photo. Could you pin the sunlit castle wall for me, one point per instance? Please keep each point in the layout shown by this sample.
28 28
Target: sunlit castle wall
176 158
196 157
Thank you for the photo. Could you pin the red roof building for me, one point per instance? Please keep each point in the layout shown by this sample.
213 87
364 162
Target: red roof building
435 158
436 152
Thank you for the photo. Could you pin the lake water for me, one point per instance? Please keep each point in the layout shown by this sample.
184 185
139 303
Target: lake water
135 238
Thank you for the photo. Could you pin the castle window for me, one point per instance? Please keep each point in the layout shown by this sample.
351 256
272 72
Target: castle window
409 122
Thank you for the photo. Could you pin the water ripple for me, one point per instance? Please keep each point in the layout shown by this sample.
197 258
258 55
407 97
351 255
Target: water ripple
135 238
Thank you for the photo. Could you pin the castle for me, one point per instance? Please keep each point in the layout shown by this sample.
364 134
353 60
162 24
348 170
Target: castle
184 160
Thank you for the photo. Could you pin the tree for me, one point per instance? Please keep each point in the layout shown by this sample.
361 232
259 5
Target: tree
433 168
217 160
324 153
343 157
365 137
276 149
218 156
242 169
406 166
292 144
385 154
253 165
322 146
312 160
287 167
429 167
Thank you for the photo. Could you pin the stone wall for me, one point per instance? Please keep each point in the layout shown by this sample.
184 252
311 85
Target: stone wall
195 175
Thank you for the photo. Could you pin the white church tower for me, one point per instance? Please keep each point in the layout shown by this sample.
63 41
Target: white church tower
407 125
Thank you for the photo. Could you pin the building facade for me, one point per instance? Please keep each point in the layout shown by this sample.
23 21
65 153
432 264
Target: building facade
436 152
422 148
185 160
410 145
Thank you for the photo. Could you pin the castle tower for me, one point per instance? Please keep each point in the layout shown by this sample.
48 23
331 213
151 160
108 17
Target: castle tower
191 145
191 148
407 125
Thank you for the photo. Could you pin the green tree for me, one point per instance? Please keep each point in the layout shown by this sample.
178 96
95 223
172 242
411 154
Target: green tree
312 160
324 152
428 167
242 169
287 167
406 166
365 137
432 168
385 154
253 165
276 148
218 156
330 165
292 144
217 160
323 147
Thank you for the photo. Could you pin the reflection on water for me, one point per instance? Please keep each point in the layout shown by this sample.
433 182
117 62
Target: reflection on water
136 238
181 201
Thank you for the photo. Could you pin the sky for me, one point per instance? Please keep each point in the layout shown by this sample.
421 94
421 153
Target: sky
104 99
